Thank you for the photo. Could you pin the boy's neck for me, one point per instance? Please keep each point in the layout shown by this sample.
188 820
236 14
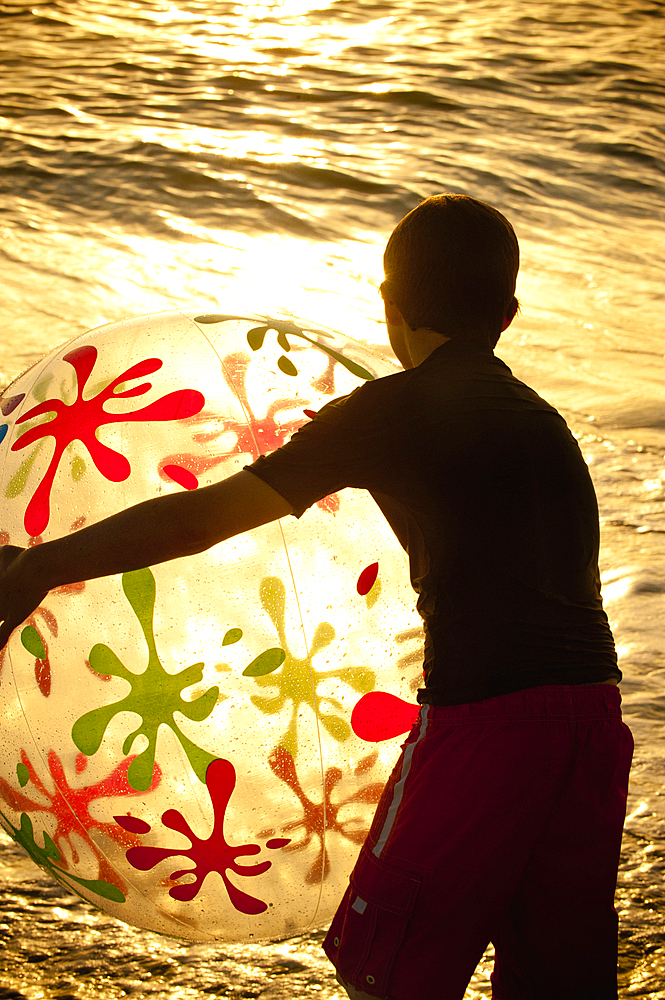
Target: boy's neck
423 342
411 347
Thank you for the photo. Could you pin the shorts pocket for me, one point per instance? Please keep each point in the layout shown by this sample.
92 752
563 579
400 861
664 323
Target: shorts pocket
370 924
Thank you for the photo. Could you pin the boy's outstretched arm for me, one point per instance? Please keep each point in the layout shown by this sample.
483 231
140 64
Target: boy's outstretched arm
155 531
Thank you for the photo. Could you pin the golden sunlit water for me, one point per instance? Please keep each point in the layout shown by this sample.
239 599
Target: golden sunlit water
255 157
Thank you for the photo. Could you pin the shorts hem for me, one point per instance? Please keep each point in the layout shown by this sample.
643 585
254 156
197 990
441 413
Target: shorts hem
356 994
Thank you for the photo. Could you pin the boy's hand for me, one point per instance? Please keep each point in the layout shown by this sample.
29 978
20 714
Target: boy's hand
19 594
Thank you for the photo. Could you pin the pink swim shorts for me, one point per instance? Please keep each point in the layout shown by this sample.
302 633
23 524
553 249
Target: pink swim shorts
501 822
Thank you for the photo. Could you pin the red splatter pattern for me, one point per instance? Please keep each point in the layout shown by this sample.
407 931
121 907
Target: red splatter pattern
255 436
43 664
367 579
320 819
183 477
9 405
329 503
381 716
133 824
82 419
213 854
71 806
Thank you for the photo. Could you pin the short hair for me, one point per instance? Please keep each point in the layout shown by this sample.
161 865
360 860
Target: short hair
451 265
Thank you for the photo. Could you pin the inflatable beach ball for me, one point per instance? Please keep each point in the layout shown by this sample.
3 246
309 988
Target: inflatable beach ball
198 748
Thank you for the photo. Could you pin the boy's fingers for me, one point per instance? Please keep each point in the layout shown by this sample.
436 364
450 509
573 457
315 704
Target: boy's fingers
5 632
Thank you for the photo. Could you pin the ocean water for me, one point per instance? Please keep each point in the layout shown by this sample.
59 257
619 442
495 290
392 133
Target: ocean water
256 156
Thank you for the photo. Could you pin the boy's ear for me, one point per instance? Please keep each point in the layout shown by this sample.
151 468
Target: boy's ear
511 312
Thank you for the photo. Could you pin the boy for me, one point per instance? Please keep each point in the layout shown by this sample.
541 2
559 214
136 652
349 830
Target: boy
502 819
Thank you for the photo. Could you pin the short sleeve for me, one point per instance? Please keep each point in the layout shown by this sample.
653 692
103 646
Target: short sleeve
336 449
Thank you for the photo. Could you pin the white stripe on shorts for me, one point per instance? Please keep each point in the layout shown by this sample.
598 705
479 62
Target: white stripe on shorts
399 787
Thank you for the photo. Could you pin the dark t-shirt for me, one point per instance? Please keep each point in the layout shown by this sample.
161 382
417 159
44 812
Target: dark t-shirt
487 491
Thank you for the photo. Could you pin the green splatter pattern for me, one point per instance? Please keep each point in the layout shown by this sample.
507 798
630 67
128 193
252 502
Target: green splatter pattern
47 856
297 681
155 695
286 329
32 641
233 635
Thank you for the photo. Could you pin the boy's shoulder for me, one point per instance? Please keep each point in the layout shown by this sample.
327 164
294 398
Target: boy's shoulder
455 377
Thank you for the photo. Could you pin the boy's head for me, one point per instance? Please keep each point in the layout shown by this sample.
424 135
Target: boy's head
451 266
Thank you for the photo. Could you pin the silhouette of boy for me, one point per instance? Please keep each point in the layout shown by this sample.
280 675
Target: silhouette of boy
502 819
